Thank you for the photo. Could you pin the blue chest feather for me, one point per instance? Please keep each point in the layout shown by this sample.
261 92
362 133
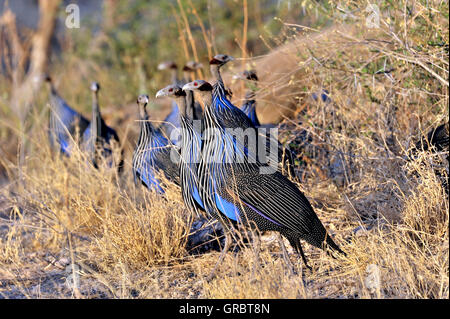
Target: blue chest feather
225 207
146 171
64 118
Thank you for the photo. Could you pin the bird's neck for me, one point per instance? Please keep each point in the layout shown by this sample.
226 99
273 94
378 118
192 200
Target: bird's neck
187 76
95 106
215 71
147 129
207 98
190 105
143 112
96 116
249 96
174 76
181 102
52 89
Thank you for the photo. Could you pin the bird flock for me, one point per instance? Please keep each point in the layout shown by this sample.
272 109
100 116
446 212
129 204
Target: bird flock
229 167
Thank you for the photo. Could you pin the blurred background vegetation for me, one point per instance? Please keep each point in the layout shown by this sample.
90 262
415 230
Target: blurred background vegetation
120 43
128 38
131 37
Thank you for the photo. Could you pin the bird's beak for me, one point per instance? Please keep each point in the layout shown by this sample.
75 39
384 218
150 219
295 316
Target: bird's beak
230 58
187 87
161 93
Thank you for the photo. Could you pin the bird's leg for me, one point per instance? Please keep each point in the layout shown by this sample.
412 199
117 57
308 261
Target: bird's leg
285 254
300 249
225 249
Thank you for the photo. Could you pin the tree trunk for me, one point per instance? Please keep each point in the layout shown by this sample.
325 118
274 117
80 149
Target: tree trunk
24 93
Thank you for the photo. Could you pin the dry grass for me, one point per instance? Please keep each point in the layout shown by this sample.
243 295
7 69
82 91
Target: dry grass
355 169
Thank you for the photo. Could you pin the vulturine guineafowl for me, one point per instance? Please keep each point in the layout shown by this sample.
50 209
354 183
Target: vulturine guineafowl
172 120
190 149
249 105
194 111
153 153
437 138
99 139
66 125
285 156
435 141
232 118
239 193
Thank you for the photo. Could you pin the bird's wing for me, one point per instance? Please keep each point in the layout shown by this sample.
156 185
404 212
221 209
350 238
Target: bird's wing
111 134
274 197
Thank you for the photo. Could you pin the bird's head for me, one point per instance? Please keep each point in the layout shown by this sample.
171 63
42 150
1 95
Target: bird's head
167 65
142 100
173 91
198 85
249 75
186 68
191 66
220 59
95 87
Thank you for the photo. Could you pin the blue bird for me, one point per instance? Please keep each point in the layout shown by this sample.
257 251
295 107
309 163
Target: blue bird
171 122
66 125
153 154
249 105
99 138
437 139
241 194
286 158
232 117
194 110
190 148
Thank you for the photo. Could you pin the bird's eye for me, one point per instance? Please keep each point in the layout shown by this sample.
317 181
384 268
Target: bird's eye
170 90
195 84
